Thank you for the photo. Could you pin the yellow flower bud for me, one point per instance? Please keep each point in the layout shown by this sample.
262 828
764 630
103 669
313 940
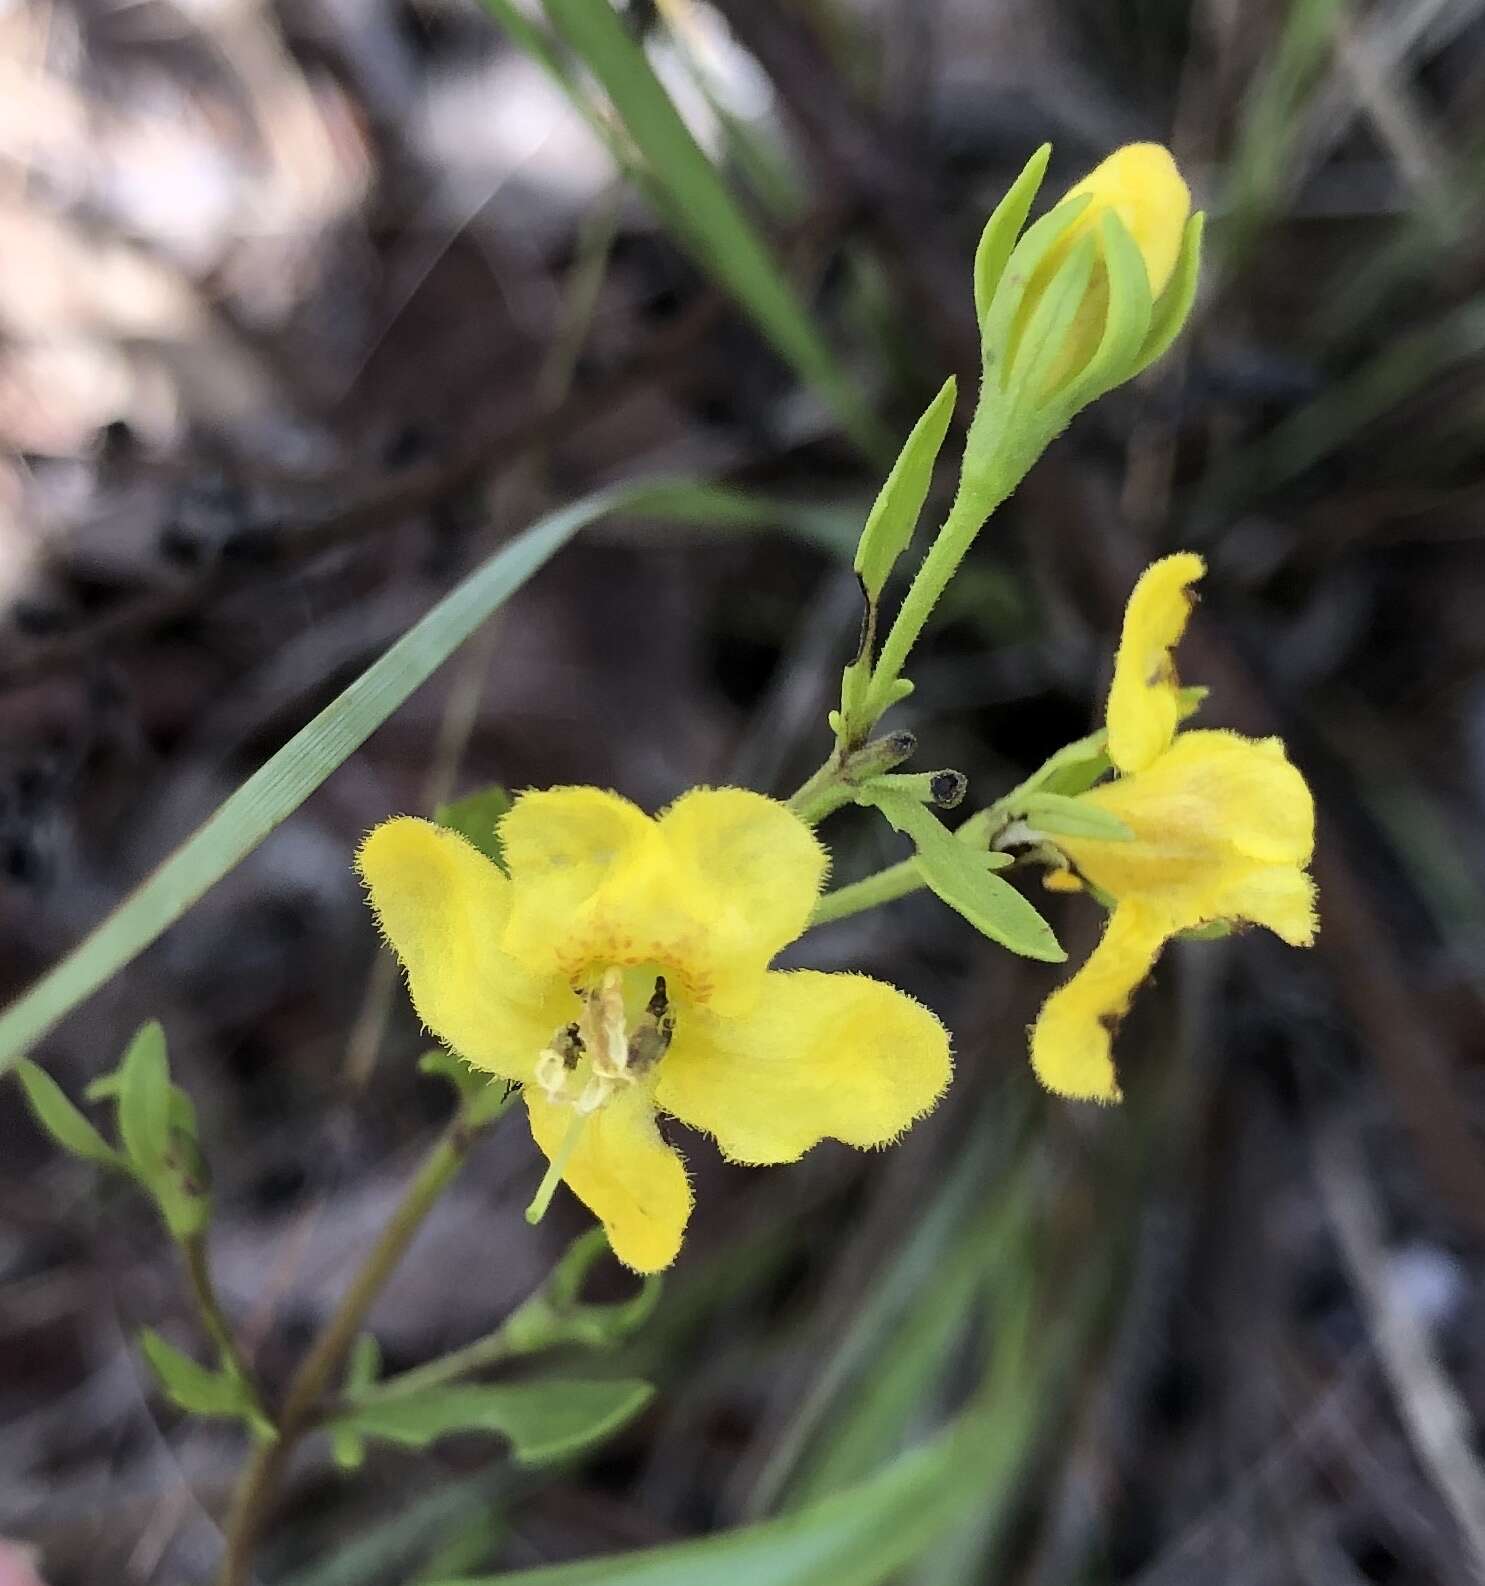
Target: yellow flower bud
1142 187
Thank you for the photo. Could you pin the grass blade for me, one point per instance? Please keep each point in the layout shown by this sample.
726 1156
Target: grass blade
282 783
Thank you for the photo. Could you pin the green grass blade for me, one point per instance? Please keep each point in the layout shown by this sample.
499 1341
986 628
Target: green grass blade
698 206
282 784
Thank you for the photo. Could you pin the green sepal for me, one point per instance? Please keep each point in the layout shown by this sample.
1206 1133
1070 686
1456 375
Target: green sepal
1072 769
899 504
1212 931
555 1316
183 1120
476 817
543 1420
61 1120
1041 237
1126 323
1173 307
194 1388
998 239
962 877
1045 337
1190 700
1059 815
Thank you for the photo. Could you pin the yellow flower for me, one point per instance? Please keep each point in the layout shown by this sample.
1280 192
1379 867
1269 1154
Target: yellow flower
1223 828
1141 185
622 968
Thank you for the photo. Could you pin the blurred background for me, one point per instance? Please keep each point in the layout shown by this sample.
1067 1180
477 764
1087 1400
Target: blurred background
305 308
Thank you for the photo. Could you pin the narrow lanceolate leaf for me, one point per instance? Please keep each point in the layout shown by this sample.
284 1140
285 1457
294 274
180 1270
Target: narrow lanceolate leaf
890 524
1072 817
542 1420
476 817
144 1103
61 1120
962 877
191 1386
862 1536
1003 227
283 783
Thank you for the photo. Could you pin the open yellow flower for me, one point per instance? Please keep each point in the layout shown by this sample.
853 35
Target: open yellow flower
622 967
1223 828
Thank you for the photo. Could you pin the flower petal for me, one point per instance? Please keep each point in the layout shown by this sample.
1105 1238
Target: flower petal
1142 185
1281 897
623 1172
1143 705
442 905
753 874
1213 811
820 1056
564 846
1072 1038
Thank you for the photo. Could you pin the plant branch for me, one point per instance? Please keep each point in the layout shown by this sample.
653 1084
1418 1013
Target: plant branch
259 1482
214 1319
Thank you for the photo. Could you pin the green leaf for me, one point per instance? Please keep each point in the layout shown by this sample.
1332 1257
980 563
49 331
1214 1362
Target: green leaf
1003 227
542 1420
61 1120
698 207
105 1087
894 516
962 877
476 817
1173 307
1072 817
862 1536
192 1387
287 778
144 1103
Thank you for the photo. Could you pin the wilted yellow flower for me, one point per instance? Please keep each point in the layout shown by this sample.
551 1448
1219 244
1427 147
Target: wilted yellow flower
622 967
1142 187
1223 828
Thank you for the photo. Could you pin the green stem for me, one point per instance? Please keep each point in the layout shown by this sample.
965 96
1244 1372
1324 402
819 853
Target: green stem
972 506
824 793
487 1351
214 1319
259 1482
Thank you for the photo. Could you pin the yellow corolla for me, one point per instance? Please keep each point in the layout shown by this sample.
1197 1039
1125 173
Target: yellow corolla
1142 186
1223 828
622 967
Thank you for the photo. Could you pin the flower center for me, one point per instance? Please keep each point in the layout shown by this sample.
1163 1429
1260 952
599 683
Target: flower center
603 1049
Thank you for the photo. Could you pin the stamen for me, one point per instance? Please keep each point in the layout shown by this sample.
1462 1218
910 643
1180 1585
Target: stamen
555 1169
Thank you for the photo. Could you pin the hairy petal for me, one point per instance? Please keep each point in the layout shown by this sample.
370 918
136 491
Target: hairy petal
1144 707
821 1056
1071 1041
442 906
623 1172
753 874
565 846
